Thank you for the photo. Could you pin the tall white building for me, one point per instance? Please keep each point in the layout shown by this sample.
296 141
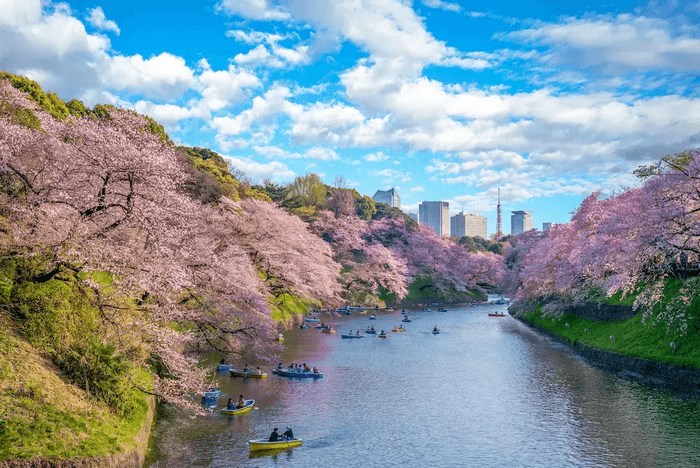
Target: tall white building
468 224
435 214
520 221
388 197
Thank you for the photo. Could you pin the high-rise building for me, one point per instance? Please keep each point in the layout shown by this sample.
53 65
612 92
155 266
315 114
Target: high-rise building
520 221
468 224
388 197
435 214
546 226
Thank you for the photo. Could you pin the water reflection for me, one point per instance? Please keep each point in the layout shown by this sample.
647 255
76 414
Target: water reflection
485 392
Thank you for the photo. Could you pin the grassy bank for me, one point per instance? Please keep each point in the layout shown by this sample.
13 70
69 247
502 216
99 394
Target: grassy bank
631 337
423 289
45 417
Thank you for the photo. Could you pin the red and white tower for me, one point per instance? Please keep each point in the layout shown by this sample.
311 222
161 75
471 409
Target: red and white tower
499 227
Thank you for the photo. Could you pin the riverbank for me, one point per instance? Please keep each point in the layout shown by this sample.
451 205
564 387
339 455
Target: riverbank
48 422
625 344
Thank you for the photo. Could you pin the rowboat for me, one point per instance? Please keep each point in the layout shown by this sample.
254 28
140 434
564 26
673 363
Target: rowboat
349 337
212 393
314 320
373 317
251 374
328 330
442 309
396 330
497 315
382 335
406 319
224 367
298 375
303 326
247 407
265 444
436 332
372 332
321 326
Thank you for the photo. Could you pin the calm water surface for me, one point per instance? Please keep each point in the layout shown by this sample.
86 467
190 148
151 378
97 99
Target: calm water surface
486 392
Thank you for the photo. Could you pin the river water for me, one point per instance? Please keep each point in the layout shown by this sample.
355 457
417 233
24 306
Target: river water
485 392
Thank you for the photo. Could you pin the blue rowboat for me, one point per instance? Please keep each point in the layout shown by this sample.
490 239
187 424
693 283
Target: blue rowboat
371 332
224 368
373 317
311 320
298 375
350 337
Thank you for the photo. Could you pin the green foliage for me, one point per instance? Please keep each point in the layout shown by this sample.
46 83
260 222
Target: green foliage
671 162
423 288
310 189
50 102
19 116
155 128
632 337
287 305
385 211
366 208
102 111
97 368
479 244
77 108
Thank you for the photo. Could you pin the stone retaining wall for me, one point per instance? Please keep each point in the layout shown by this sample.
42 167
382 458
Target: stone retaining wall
598 312
671 375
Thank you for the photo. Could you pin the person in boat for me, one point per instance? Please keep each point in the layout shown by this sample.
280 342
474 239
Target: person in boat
315 370
290 368
358 333
230 405
246 369
372 329
306 368
395 328
223 361
279 366
275 436
240 403
258 371
288 434
436 328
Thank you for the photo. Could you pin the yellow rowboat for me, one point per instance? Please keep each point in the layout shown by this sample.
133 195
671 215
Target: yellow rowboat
251 374
328 331
248 406
264 444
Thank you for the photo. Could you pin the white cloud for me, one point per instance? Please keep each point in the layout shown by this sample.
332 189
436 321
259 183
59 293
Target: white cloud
419 188
323 122
391 175
20 13
222 88
264 109
442 5
162 76
376 157
276 171
316 153
96 17
253 9
615 44
254 37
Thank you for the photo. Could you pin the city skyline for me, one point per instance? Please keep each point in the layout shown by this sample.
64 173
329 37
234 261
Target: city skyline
550 102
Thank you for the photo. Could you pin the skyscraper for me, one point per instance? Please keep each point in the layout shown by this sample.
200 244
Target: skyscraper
435 214
520 221
468 224
388 197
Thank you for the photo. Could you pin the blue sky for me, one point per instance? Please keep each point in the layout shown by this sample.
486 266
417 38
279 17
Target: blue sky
444 100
